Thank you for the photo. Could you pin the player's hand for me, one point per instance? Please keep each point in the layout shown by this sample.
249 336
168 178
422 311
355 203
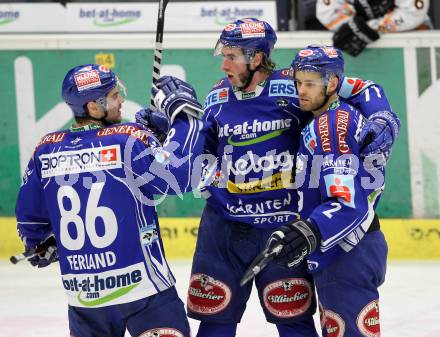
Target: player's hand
378 136
44 254
289 245
154 121
300 238
173 96
353 36
372 9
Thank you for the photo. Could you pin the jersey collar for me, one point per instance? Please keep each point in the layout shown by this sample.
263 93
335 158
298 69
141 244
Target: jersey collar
88 127
240 95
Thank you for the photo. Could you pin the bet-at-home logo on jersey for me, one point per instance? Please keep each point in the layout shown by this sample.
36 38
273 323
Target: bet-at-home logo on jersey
254 132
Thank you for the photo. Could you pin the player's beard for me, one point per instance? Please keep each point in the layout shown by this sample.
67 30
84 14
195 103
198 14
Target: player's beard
315 103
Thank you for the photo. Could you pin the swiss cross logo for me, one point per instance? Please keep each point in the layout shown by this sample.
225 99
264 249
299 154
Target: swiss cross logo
88 79
109 155
252 29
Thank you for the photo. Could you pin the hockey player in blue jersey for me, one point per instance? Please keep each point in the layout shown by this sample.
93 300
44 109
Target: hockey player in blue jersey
87 199
253 125
337 232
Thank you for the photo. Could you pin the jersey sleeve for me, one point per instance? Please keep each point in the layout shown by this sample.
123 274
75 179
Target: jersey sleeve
407 15
333 13
170 168
366 96
33 223
345 212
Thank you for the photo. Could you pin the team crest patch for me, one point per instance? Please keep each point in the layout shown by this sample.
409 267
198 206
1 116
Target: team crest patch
162 332
288 298
333 323
206 295
368 321
149 234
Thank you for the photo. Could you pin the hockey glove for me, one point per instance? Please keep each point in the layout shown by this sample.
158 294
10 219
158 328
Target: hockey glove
353 36
288 245
154 121
372 9
301 238
43 254
172 96
378 135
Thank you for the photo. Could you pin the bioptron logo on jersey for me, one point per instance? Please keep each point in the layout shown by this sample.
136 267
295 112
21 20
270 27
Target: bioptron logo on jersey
86 160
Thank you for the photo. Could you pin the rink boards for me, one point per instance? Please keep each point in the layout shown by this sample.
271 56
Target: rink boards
408 239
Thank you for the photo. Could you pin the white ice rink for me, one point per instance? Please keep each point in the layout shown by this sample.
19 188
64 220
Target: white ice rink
32 302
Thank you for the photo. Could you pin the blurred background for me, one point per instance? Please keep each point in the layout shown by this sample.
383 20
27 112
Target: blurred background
41 40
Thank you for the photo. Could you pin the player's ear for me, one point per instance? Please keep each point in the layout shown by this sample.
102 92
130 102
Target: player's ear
95 110
332 85
257 60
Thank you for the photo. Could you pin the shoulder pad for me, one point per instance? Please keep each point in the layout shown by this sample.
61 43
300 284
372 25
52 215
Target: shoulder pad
352 86
54 137
128 129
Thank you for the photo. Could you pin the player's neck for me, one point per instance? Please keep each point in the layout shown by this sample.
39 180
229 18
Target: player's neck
83 122
259 76
326 106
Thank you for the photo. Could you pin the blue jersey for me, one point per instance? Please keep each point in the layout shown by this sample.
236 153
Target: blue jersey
255 137
95 189
337 190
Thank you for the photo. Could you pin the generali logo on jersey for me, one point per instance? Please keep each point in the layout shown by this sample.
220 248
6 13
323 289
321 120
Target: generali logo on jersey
86 160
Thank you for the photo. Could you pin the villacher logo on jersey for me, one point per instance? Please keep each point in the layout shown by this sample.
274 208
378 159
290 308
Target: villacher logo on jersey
86 160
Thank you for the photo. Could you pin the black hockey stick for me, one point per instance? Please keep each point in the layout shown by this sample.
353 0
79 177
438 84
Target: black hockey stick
159 39
23 256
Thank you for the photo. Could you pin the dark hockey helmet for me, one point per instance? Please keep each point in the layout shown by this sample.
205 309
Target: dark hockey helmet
87 83
249 34
326 60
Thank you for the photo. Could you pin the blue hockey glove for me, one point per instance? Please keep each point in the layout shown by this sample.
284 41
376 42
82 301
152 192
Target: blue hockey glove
155 121
289 245
173 96
379 134
43 254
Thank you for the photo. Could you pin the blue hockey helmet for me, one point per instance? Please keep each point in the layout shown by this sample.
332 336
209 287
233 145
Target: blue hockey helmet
326 60
250 34
87 83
